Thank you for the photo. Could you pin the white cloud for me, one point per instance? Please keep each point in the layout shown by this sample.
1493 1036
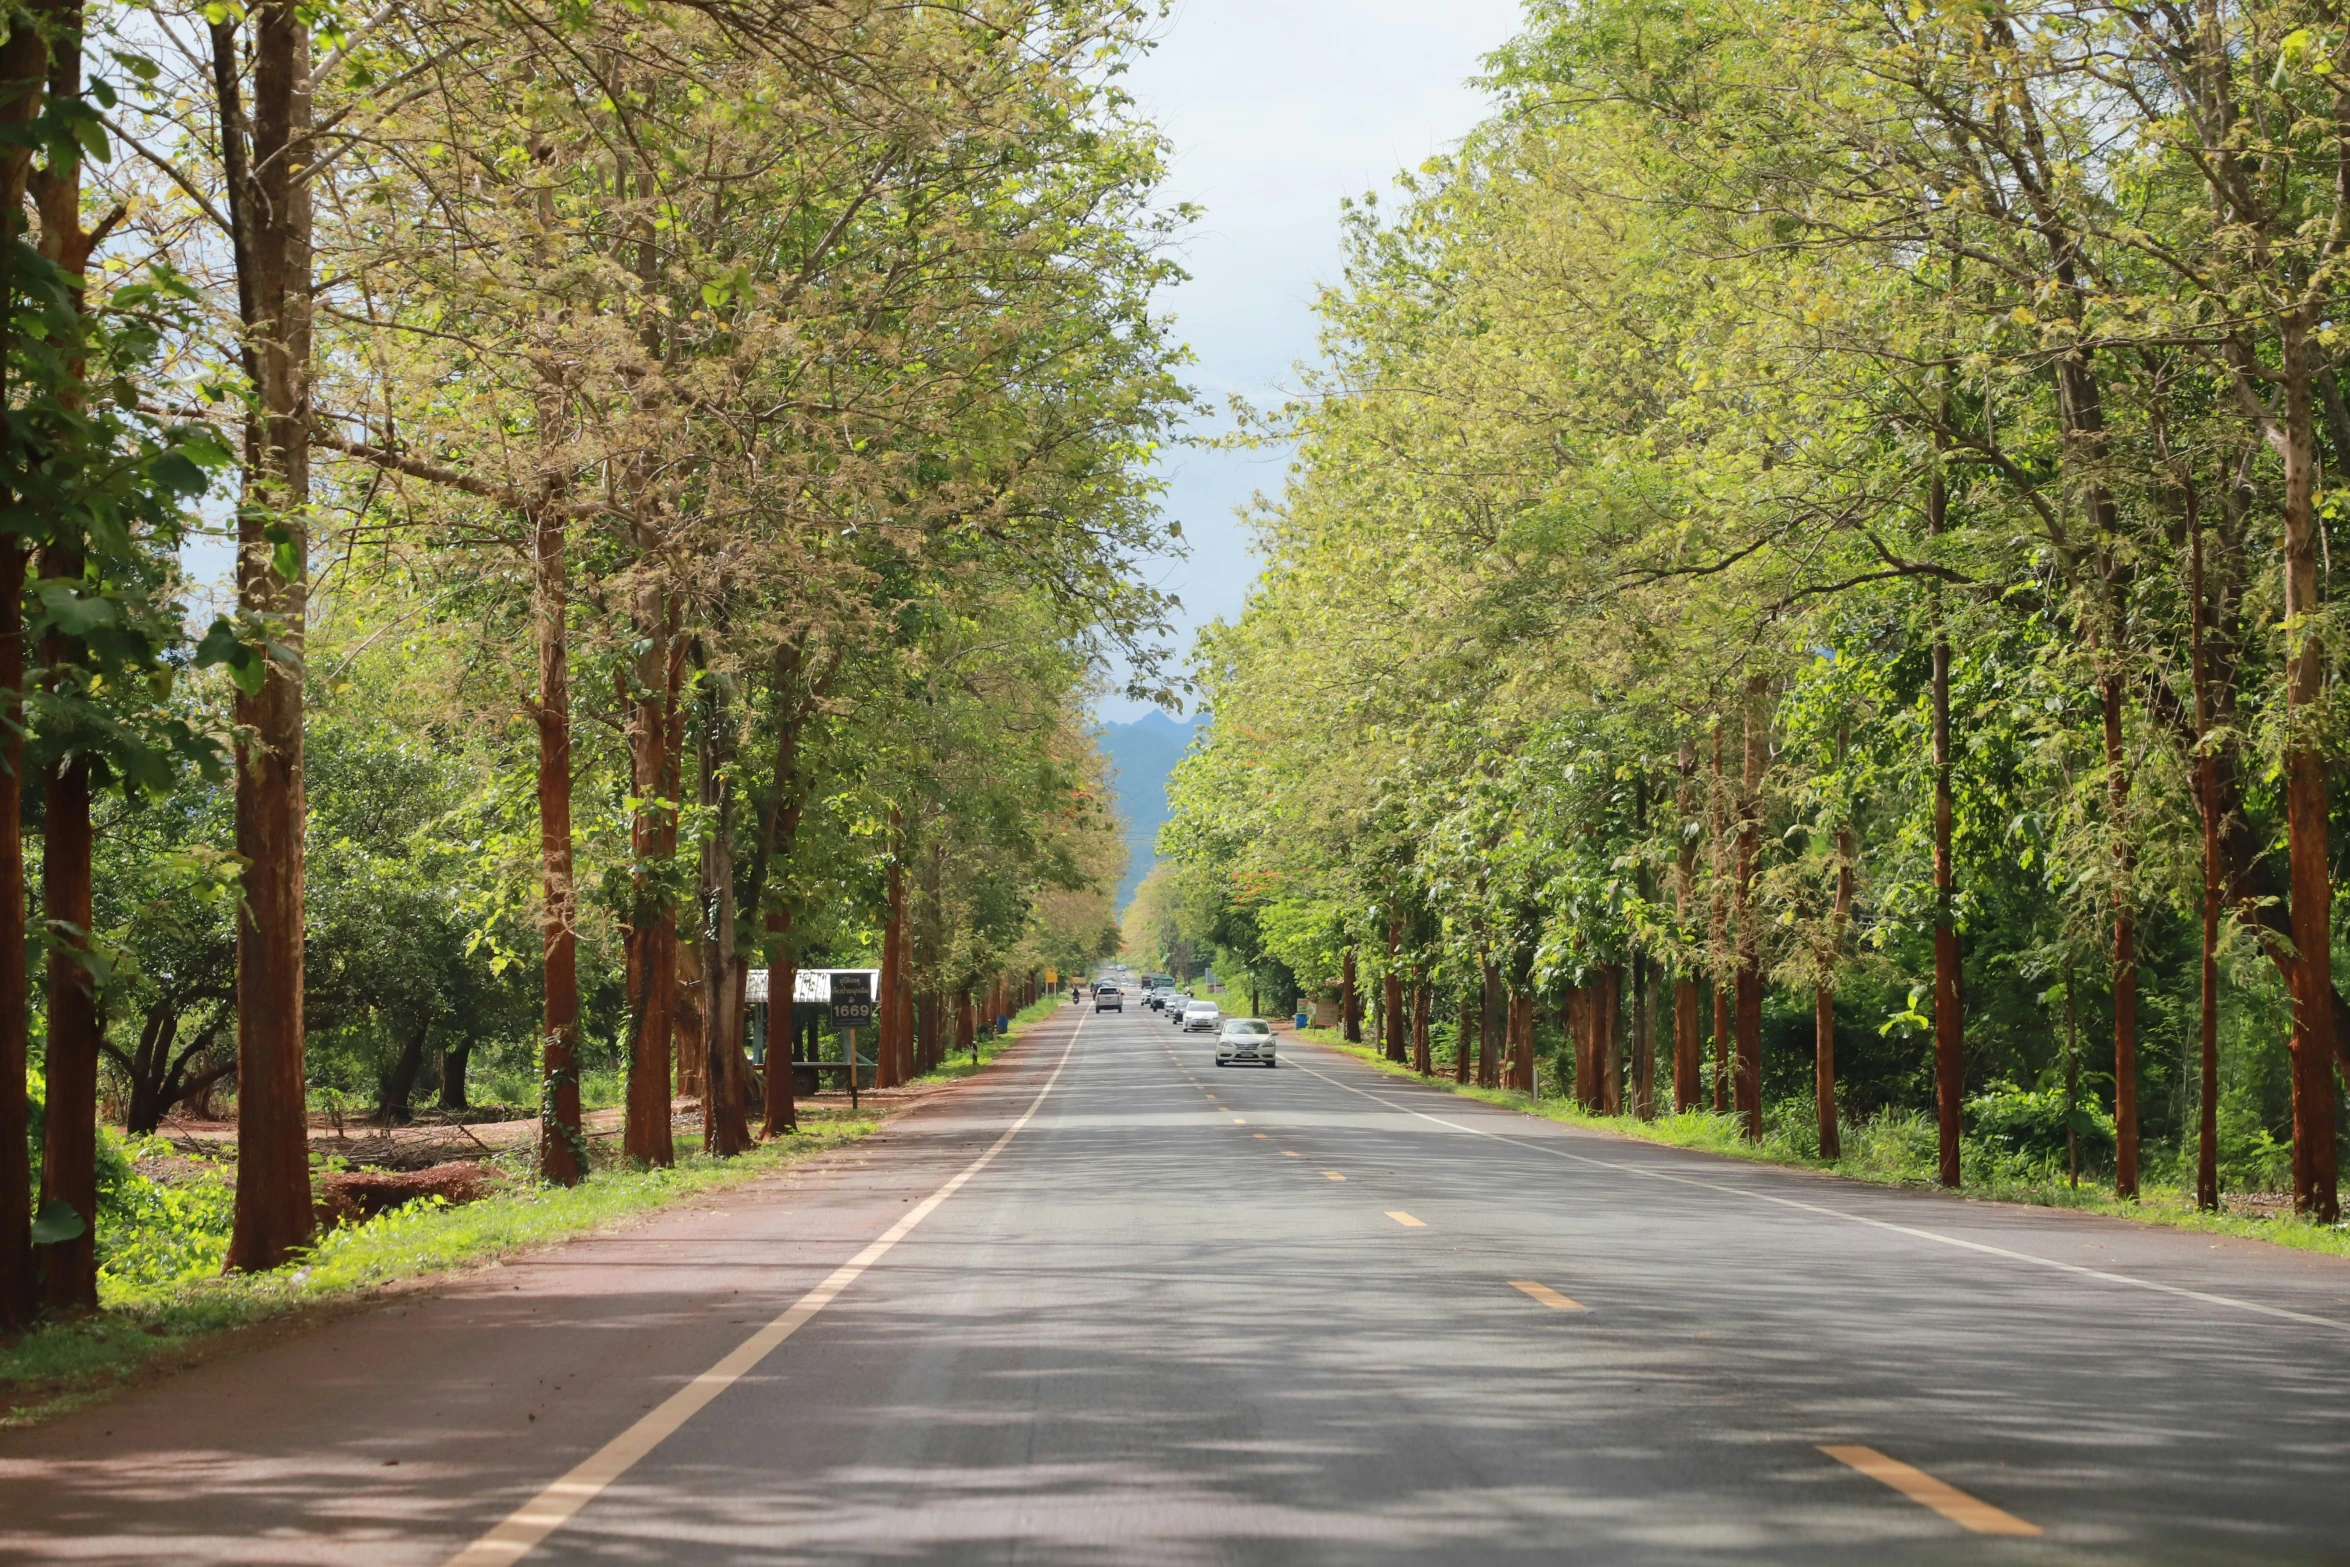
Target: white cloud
1278 110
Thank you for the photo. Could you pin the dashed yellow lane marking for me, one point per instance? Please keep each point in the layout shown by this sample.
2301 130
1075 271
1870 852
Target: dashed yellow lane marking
1406 1220
1966 1511
1545 1294
1286 1154
1334 1175
1260 1137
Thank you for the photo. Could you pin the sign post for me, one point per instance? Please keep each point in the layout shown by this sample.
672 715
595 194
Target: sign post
852 1009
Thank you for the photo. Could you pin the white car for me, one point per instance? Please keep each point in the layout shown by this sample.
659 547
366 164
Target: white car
1201 1017
1244 1039
1173 1007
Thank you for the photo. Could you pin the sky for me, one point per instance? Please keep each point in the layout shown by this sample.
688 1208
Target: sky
1278 110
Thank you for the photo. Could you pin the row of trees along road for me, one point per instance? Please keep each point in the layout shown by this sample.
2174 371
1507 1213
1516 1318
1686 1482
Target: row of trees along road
1830 505
684 463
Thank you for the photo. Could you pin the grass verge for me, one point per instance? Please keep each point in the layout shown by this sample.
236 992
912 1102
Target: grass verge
1879 1158
970 1061
64 1365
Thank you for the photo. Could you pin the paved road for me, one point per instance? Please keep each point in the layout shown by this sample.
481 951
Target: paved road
1310 1315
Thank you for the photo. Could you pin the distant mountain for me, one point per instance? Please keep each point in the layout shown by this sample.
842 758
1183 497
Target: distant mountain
1141 755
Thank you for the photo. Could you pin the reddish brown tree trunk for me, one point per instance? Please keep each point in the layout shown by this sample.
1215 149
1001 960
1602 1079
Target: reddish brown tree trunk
1720 929
783 978
69 1144
1578 1041
1391 994
2125 949
560 1144
1749 927
272 216
1350 1012
689 1044
16 1182
1422 999
1610 1043
1464 1048
24 65
886 1073
652 939
966 1023
1643 1039
1823 1069
2315 1190
1490 1025
1688 1030
1949 1040
2207 799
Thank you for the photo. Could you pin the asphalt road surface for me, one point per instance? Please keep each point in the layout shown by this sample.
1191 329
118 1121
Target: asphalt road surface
1177 1315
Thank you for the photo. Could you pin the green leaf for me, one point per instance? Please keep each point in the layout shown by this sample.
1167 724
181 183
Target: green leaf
58 1221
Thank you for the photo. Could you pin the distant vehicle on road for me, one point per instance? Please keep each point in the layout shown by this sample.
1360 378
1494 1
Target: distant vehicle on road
1201 1017
1246 1039
1108 998
1173 1006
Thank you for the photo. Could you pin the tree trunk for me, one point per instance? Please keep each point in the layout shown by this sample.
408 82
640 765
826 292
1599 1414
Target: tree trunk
1610 1039
2207 799
2315 1192
69 1143
1749 927
893 962
1643 1038
1687 1032
1422 1000
1949 1044
17 1297
561 1148
1490 1025
24 68
1391 993
966 1024
2125 948
400 1083
1464 1044
1578 1042
783 978
1350 1012
652 937
689 1035
726 1127
1823 1070
455 1062
271 213
1720 928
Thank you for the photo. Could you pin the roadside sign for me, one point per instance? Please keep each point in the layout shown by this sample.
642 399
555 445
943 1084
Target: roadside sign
852 998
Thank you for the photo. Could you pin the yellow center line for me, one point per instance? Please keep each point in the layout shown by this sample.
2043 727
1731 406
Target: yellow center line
1406 1220
1334 1175
1242 1120
1922 1488
1286 1154
1260 1137
1545 1294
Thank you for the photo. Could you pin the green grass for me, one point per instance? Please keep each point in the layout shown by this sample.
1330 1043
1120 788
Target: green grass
955 1066
173 1316
1889 1150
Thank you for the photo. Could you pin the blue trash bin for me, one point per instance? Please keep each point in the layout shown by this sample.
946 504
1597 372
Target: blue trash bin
1301 1020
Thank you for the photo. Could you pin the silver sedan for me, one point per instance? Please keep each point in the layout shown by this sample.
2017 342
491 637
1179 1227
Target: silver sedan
1245 1039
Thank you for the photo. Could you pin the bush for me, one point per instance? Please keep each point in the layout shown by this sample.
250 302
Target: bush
2025 1130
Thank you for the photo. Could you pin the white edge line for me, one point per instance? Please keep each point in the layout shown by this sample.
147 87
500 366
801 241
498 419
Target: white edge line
2205 1296
522 1530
